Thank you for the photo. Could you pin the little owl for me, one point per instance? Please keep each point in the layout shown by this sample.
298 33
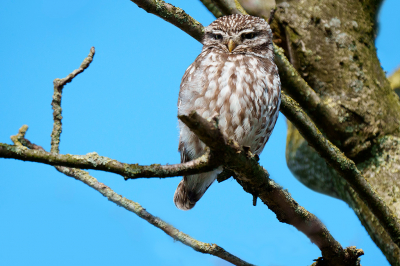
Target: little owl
235 77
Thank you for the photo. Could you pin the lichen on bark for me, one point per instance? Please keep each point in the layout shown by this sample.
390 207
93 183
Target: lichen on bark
331 45
333 50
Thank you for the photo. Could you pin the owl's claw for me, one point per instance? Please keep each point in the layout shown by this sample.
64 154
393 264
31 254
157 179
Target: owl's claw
215 118
247 151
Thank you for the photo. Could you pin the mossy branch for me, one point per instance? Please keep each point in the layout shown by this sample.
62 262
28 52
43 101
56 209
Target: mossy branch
97 162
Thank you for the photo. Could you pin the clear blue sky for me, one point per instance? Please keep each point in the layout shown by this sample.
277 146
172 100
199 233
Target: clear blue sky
124 107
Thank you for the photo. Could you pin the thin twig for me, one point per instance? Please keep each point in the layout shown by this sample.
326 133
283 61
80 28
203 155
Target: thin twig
135 207
56 103
267 182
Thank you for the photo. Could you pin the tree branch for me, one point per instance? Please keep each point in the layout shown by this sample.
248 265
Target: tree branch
24 147
134 207
255 180
343 165
325 148
236 158
292 82
173 15
96 162
295 86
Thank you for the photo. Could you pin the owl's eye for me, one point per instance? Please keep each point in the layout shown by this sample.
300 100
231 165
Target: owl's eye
217 36
249 35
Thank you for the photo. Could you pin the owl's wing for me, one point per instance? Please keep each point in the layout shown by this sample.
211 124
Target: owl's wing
184 82
183 87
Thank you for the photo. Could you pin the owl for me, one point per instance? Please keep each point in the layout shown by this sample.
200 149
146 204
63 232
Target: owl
234 77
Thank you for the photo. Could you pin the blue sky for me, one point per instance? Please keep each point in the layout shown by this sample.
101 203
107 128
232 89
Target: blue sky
124 107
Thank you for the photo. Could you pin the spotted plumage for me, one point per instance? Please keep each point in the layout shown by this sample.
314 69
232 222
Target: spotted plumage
234 77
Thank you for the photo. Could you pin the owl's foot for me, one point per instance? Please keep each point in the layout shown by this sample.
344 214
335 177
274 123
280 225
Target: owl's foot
214 117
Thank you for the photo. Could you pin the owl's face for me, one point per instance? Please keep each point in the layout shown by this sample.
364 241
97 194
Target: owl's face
239 34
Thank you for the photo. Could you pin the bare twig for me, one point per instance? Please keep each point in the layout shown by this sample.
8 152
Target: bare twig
268 191
134 207
56 103
94 161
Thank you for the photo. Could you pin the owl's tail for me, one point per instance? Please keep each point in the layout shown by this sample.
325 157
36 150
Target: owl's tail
193 187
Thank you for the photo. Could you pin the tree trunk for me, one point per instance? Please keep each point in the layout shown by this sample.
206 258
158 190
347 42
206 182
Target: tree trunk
331 44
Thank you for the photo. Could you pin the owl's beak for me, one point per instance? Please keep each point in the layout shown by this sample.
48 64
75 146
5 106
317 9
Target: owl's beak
231 45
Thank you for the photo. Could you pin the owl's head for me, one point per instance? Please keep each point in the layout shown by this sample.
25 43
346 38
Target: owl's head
239 34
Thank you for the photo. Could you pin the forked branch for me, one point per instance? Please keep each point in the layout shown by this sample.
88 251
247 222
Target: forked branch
344 166
132 206
24 146
255 180
250 174
56 103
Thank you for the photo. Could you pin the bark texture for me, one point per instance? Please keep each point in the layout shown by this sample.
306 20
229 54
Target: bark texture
331 44
260 8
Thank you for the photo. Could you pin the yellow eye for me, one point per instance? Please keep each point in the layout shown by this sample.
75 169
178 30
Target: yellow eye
217 36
